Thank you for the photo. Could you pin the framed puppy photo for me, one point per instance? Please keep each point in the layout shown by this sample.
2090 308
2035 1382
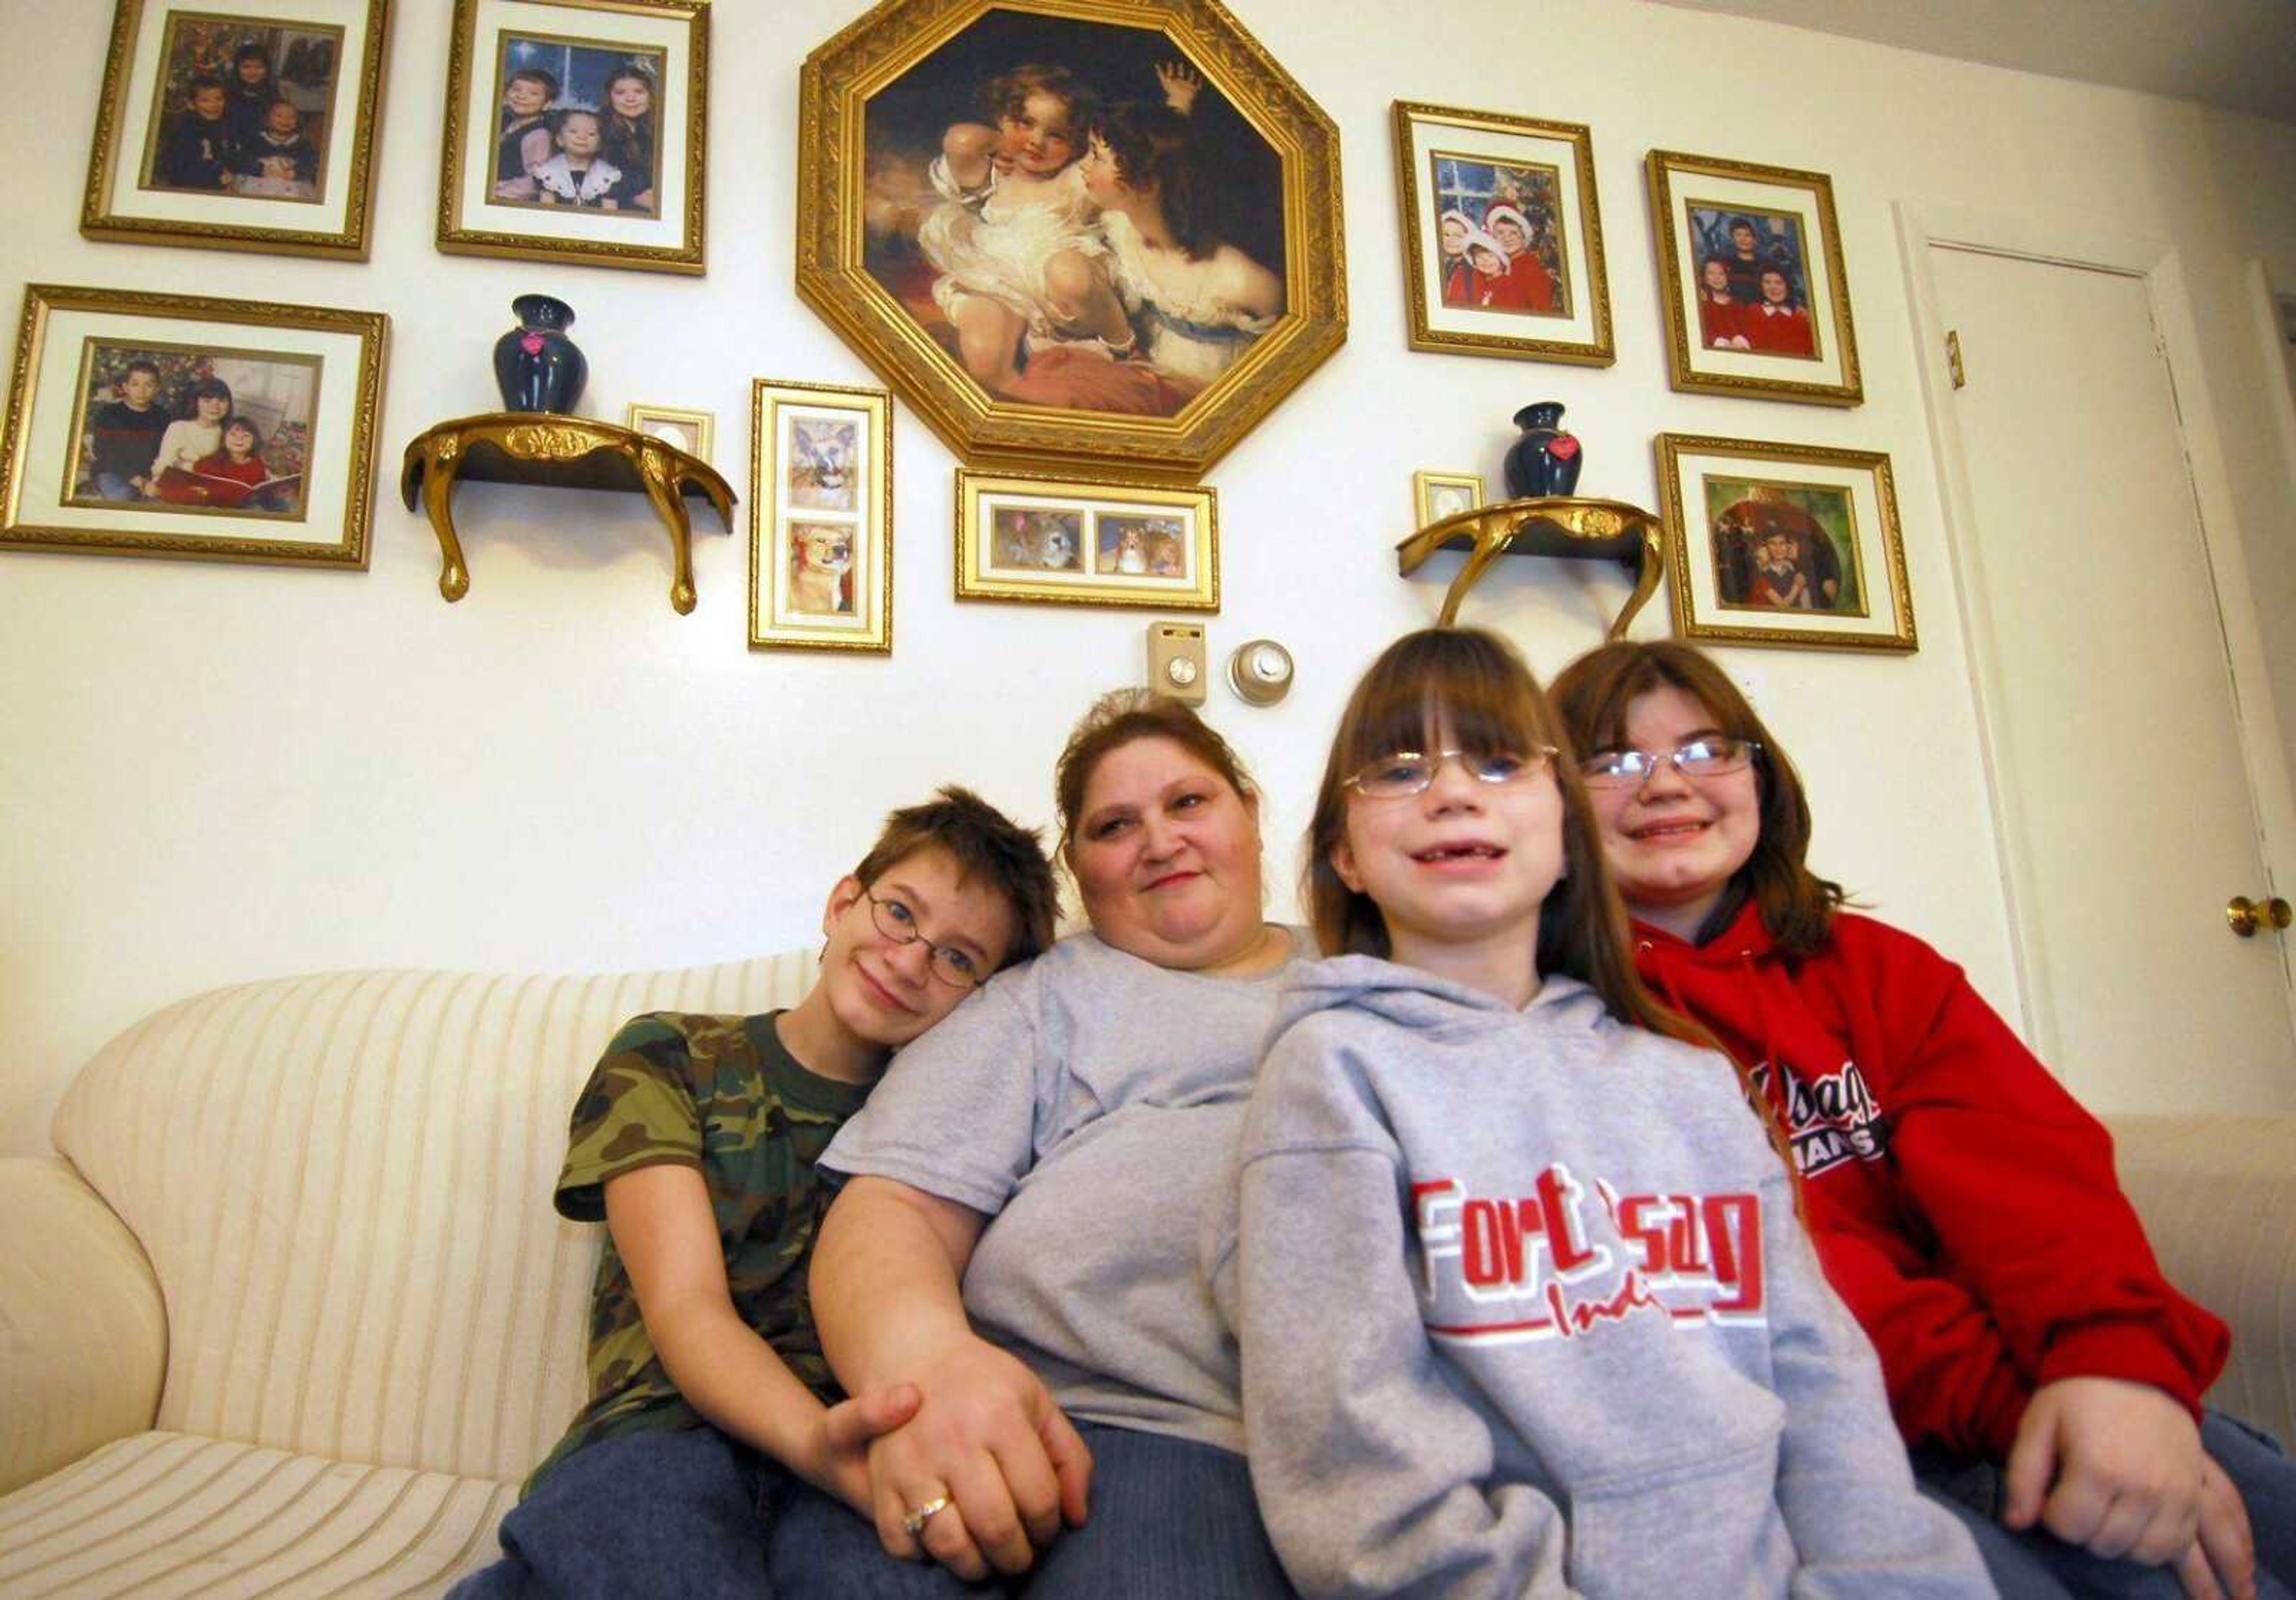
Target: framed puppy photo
821 518
1055 541
177 425
1502 235
239 126
1784 544
575 132
1751 273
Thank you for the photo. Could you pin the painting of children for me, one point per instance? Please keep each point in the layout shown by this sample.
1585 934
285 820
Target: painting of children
173 428
225 122
579 125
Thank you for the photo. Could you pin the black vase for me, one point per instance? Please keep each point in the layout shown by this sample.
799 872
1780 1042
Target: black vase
1545 460
535 364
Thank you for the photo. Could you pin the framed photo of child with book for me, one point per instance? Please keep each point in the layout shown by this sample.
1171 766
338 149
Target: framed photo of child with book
178 425
821 518
1789 545
239 125
575 132
1751 274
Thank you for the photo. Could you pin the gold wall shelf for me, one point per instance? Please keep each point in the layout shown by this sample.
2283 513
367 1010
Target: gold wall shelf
1547 525
557 452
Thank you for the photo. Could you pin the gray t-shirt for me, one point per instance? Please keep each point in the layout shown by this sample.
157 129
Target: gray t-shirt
1088 1105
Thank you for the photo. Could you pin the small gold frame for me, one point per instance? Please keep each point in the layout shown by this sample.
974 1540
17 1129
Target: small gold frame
1682 184
1855 487
1429 504
1577 331
471 222
821 467
345 409
701 443
112 208
1044 540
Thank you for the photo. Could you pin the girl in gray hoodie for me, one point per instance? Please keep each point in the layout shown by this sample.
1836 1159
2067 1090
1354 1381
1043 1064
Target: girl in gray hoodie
1521 1299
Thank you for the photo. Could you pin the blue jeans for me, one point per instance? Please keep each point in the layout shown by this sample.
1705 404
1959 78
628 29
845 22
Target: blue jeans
2037 1566
649 1514
111 486
1171 1519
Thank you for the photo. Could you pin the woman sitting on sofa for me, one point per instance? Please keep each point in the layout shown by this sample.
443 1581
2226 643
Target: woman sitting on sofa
1049 1148
2047 1376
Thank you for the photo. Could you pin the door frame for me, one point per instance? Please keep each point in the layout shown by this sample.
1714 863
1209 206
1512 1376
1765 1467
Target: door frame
2102 246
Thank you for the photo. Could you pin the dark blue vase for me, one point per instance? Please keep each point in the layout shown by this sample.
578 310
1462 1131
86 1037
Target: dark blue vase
1545 460
535 364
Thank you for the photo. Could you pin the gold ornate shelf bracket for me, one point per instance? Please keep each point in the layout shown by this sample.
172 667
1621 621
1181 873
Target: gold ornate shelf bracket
1549 525
558 452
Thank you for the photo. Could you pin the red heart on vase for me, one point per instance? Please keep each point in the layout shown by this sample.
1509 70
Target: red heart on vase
1564 446
532 344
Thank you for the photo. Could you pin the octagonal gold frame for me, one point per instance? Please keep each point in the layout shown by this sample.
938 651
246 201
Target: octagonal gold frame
875 51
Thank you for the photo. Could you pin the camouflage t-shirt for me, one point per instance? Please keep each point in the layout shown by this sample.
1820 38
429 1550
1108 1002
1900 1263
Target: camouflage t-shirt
720 1095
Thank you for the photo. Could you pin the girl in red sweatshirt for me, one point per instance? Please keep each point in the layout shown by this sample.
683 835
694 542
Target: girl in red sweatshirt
2047 1376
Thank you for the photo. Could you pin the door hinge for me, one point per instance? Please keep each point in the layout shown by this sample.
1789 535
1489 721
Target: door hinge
1953 358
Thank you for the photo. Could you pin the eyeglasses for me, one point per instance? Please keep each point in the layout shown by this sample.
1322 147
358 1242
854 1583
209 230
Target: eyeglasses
1713 757
1407 772
898 923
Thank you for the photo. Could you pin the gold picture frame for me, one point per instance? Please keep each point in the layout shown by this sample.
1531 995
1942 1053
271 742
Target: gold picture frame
1045 540
526 71
1435 496
1787 544
273 460
1166 397
696 432
1751 276
152 179
821 517
1546 294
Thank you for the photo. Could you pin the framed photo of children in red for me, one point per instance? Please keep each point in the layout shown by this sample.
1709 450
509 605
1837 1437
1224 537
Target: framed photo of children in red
1502 235
178 425
1784 544
1751 274
575 132
239 125
1071 231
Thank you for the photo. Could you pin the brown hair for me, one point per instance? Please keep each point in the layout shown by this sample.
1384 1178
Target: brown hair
1116 719
1594 694
1007 95
986 845
1476 683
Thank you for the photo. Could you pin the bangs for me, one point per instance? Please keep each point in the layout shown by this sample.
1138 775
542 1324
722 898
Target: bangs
1458 675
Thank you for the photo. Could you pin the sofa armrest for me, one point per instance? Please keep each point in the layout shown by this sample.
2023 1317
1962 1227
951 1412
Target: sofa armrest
2213 1192
83 1328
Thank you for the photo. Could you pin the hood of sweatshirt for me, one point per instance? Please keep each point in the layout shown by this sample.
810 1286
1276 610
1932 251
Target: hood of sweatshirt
1421 1000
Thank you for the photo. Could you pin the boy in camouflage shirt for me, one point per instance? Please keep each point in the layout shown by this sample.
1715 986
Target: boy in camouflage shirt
695 1140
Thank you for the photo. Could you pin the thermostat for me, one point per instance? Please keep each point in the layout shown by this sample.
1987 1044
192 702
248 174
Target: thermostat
1175 661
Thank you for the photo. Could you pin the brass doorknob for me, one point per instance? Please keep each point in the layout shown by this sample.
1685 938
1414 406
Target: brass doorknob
2247 916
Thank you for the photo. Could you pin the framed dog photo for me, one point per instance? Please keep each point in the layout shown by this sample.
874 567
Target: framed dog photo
692 431
821 518
1502 235
177 425
1435 496
575 132
1751 274
1055 541
239 125
1784 544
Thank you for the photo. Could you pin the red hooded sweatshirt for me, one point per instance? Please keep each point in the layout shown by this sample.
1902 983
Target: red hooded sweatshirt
1962 1205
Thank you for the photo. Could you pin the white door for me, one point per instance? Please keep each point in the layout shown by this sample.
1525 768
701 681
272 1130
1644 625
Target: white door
2106 686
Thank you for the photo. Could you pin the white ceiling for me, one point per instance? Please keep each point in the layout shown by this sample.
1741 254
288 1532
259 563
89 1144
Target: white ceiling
2240 54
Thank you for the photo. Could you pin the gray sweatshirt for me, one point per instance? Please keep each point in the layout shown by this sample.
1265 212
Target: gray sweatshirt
1523 1308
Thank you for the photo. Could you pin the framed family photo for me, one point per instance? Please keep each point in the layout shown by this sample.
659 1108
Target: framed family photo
1502 235
1784 544
1052 541
692 431
1751 274
575 132
821 518
248 125
1076 233
177 425
1435 496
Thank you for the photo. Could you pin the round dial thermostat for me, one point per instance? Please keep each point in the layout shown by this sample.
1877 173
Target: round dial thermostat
1260 672
1181 671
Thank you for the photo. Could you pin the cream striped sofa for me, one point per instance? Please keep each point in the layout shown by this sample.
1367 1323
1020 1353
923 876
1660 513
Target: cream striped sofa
292 1315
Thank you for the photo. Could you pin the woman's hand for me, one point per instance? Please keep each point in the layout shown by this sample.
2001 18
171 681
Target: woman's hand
988 1438
2115 1467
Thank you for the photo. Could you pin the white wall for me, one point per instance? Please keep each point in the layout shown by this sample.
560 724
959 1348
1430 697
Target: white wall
210 772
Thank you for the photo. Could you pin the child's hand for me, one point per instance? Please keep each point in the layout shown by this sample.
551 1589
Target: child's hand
2112 1466
1181 85
839 1462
